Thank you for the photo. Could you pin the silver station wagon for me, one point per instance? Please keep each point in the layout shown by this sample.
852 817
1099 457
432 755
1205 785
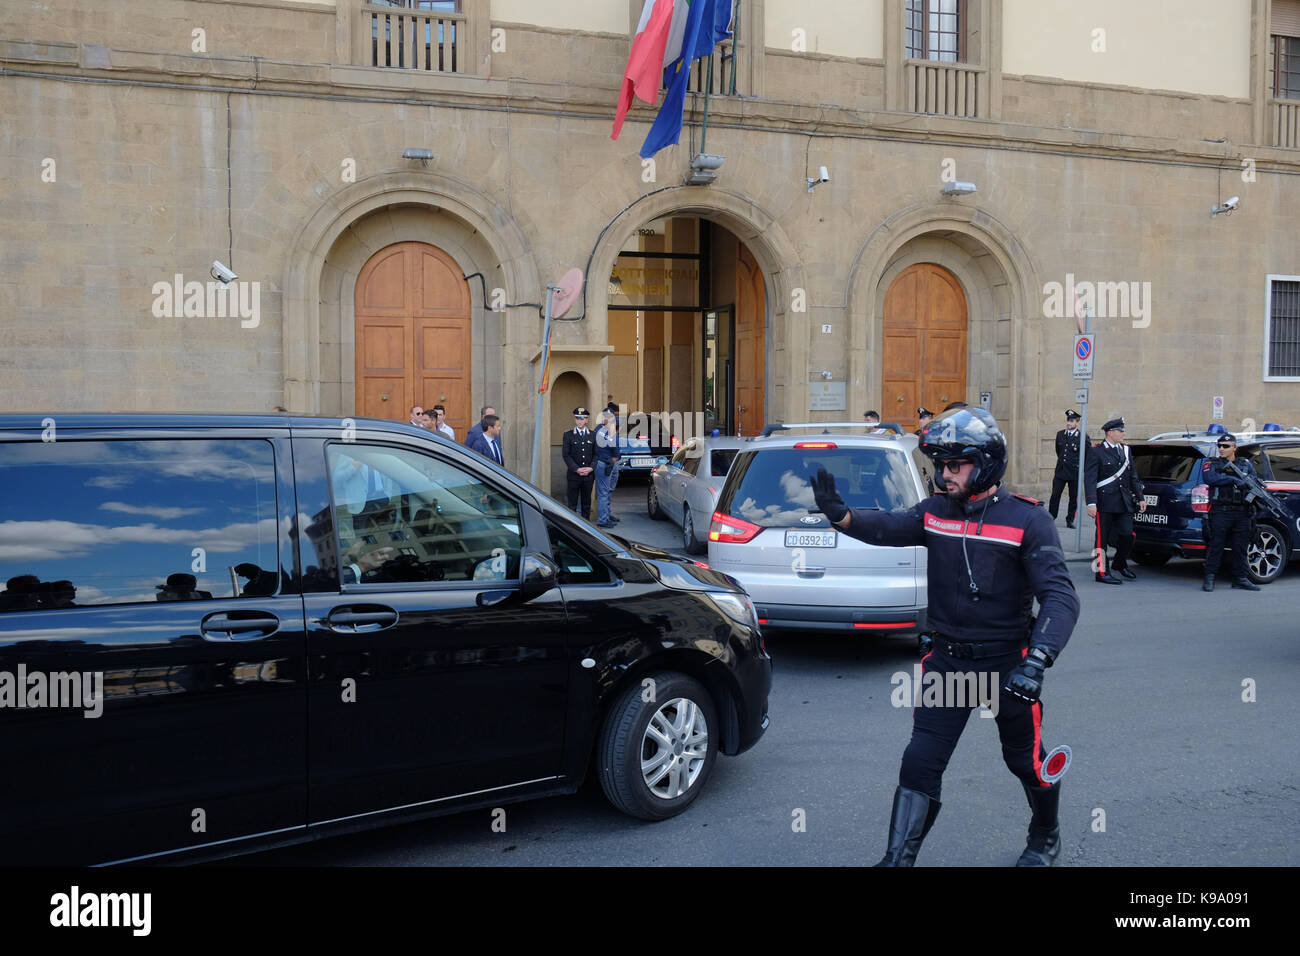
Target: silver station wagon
685 489
801 572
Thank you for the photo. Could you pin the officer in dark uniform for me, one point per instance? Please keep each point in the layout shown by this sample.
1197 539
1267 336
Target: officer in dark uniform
1231 515
1067 468
579 452
1113 493
924 416
991 554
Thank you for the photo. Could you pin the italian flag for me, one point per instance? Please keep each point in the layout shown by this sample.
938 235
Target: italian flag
657 43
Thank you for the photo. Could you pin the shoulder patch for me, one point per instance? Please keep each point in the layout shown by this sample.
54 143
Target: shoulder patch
1028 500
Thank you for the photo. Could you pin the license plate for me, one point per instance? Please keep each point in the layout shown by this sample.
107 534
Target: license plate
643 462
810 539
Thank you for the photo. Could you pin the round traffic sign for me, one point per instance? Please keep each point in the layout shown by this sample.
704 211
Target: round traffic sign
1083 349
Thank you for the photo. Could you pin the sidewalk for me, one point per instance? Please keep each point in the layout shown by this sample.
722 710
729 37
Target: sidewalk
1068 536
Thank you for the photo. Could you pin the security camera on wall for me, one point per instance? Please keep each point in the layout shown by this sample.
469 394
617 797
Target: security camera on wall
222 273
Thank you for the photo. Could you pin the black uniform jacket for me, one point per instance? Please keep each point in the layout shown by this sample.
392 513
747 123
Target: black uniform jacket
1014 556
1067 454
578 451
1225 487
1115 497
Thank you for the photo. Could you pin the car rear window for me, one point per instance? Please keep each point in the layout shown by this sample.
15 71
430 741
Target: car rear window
1172 465
770 488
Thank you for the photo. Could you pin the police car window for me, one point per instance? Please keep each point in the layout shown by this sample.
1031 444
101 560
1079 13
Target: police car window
1165 464
1285 463
771 487
405 517
679 459
136 522
692 464
576 565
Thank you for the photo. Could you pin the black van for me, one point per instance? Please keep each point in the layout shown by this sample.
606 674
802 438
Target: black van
223 633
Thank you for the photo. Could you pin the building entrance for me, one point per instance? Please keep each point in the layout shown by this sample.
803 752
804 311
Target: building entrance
688 321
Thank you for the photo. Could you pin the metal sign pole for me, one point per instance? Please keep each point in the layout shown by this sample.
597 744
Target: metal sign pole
541 396
1083 446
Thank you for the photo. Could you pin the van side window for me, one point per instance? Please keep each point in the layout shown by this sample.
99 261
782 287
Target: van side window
136 522
576 566
401 516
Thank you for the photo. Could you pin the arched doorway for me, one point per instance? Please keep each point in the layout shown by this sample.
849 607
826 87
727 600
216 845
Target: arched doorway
412 314
924 338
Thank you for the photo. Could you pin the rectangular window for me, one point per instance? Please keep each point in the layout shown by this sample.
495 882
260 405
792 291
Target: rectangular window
1285 463
1286 68
135 522
935 30
458 528
1282 330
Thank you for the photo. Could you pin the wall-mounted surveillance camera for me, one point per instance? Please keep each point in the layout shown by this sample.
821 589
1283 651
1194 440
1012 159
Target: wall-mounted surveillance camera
1227 206
222 274
823 176
958 189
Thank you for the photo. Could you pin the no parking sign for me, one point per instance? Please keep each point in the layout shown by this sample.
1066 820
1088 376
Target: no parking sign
1084 353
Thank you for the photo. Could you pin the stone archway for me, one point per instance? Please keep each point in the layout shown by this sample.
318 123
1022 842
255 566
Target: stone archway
1004 343
335 242
785 332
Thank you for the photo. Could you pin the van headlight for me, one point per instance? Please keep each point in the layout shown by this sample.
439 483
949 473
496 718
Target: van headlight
738 607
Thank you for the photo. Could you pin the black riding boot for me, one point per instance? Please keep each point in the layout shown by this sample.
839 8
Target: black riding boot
913 815
1044 830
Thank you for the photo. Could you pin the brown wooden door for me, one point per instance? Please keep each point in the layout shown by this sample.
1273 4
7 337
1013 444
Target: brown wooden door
751 354
924 356
413 335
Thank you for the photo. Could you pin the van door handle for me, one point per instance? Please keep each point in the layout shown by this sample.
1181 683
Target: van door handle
239 626
361 618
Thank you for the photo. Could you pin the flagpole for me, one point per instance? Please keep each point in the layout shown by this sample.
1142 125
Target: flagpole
708 85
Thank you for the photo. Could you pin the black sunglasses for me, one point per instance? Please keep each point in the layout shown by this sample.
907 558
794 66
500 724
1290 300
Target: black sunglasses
1226 444
954 465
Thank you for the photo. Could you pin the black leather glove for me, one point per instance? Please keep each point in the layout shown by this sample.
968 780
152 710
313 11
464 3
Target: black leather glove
1026 681
828 499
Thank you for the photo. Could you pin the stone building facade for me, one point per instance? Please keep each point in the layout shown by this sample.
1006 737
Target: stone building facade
141 141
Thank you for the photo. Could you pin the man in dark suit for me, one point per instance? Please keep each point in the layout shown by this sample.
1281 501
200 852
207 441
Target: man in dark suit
1067 468
579 453
1113 493
478 429
486 443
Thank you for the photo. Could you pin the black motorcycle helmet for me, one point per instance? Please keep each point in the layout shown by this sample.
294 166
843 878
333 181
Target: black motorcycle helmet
967 433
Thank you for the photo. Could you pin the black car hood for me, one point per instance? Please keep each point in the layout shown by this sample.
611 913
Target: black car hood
680 573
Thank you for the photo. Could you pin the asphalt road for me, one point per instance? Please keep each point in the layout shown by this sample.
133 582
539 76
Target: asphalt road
1171 766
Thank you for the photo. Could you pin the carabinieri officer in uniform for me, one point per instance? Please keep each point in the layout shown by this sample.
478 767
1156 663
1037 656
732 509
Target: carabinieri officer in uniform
578 449
1231 515
1113 493
990 554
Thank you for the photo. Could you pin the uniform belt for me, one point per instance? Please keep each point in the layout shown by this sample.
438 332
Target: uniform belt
978 650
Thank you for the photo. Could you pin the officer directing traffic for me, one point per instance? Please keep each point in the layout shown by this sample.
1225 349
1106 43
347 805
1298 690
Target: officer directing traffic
1231 515
1113 493
991 554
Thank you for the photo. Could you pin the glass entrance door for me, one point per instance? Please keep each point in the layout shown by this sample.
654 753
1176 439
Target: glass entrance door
719 370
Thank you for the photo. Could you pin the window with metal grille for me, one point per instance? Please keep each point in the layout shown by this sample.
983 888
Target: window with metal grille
935 30
1286 67
1283 332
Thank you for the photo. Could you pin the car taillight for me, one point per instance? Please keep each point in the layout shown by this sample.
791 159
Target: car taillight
729 530
676 443
1201 499
816 444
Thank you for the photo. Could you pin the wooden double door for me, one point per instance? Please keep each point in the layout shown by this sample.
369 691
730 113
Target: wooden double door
751 349
413 335
924 354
